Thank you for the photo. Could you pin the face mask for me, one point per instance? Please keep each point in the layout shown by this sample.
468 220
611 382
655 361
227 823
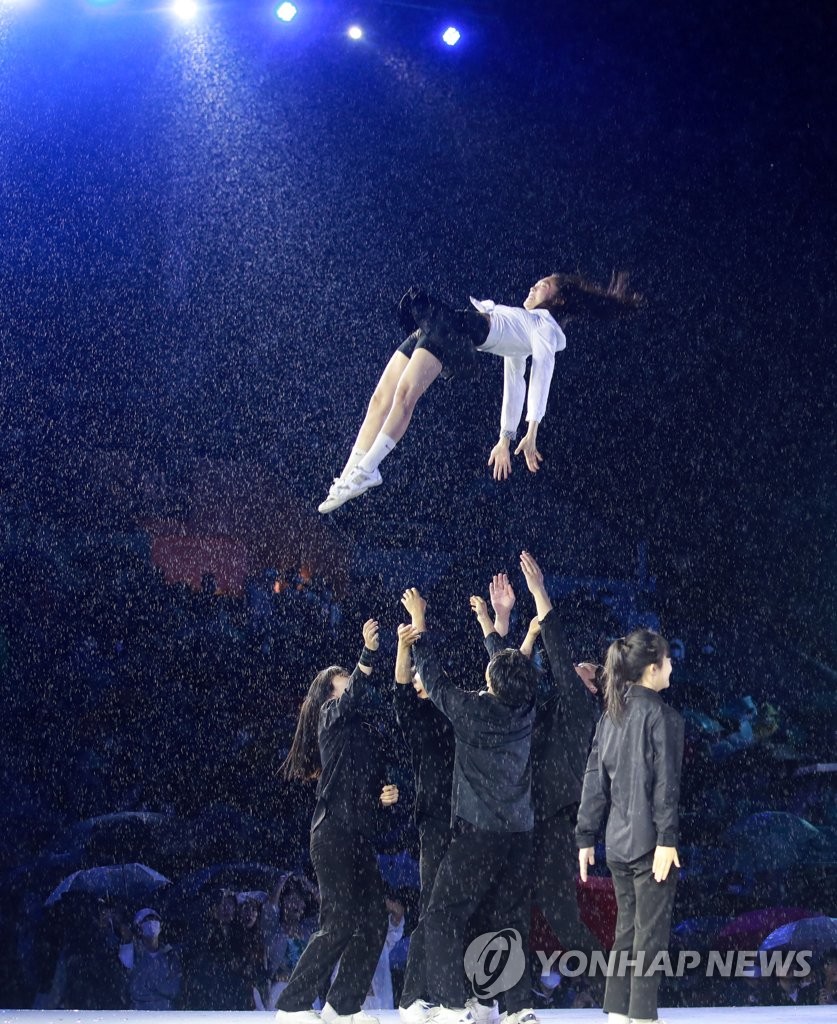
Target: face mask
150 929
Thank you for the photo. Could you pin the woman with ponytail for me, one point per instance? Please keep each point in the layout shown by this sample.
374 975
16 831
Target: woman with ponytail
334 746
632 782
443 341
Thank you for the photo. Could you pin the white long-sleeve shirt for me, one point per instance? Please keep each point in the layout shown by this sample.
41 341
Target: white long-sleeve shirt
516 334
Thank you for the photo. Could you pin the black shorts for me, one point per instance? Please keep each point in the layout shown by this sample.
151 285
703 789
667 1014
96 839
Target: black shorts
452 338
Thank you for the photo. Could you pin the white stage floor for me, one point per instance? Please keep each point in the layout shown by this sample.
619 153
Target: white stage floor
722 1015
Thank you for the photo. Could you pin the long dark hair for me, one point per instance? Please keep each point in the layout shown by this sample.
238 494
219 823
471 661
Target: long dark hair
579 297
627 658
303 760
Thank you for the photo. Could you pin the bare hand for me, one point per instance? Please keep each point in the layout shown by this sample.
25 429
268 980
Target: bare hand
664 857
528 448
500 460
370 634
501 593
407 635
389 795
586 672
586 857
479 607
532 572
415 605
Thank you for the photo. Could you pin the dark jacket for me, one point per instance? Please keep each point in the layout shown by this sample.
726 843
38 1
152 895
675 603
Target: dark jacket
633 777
492 773
429 736
564 723
353 759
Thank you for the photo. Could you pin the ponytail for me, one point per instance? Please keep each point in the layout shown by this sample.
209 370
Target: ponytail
627 658
303 761
579 297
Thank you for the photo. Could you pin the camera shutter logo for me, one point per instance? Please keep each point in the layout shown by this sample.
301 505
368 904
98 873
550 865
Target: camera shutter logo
495 962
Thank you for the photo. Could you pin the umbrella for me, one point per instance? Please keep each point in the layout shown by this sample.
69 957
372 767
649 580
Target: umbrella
246 876
770 841
131 882
816 934
748 930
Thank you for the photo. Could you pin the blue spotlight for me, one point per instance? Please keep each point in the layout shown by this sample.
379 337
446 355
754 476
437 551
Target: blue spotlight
355 32
451 36
286 12
186 10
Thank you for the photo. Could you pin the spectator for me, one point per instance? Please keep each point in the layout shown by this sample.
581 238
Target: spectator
212 978
155 974
248 954
288 921
827 995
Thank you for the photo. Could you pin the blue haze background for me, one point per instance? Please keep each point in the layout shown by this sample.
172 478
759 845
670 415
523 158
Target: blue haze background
205 229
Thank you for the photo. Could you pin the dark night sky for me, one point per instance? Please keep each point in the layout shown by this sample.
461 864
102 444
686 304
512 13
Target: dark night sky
204 230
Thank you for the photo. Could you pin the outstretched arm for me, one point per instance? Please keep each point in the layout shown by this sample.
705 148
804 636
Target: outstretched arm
514 395
502 597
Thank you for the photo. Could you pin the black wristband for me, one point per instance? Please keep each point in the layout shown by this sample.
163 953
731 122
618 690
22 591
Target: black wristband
367 657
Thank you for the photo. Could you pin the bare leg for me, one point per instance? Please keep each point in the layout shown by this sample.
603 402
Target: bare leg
381 401
422 369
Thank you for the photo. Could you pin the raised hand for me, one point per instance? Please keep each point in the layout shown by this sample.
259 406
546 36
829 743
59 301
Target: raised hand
501 593
407 635
370 634
415 605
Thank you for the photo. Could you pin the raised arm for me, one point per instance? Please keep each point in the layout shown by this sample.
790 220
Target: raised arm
501 594
356 693
450 700
492 639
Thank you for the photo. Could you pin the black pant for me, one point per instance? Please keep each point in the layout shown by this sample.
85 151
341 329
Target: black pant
353 923
434 839
643 924
480 867
555 869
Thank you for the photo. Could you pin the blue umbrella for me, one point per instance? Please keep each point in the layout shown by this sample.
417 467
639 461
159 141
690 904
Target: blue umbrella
131 882
817 934
771 841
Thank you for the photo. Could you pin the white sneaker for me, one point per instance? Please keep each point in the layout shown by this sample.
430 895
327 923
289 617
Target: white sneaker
331 1016
352 486
298 1017
618 1018
520 1017
481 1013
448 1015
415 1013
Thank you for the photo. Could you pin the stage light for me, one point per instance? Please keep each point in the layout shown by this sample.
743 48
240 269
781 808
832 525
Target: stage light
186 10
355 32
286 12
451 36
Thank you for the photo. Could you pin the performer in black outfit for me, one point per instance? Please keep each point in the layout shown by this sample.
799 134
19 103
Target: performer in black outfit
429 736
633 781
333 745
491 816
564 723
